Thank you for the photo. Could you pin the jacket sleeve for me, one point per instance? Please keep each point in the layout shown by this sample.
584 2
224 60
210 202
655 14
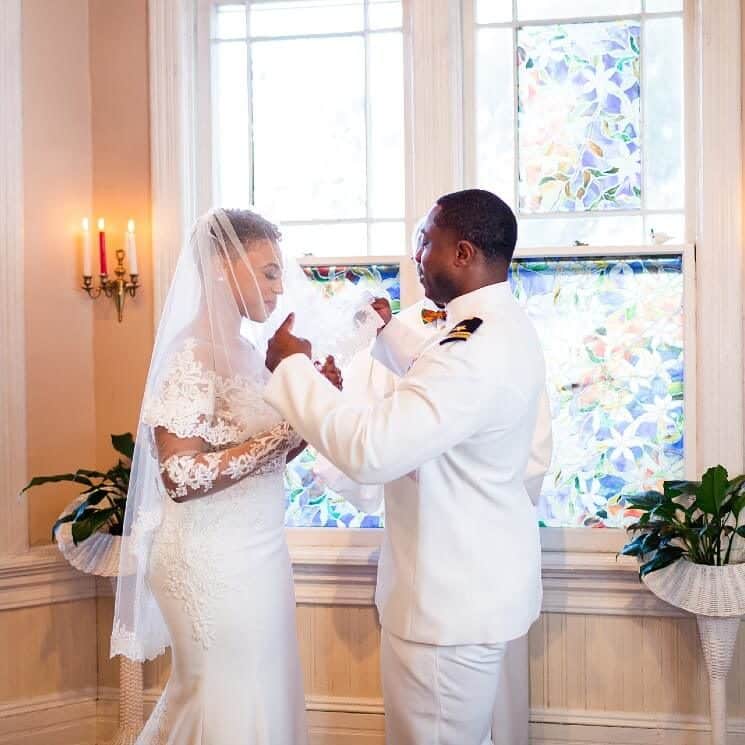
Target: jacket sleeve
396 346
540 450
444 399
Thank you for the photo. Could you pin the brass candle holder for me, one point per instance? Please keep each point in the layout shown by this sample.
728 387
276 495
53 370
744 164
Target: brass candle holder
117 288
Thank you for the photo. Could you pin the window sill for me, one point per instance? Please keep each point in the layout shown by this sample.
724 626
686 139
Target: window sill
582 572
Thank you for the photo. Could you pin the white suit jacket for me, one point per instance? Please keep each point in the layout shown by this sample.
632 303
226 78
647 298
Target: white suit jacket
367 379
461 558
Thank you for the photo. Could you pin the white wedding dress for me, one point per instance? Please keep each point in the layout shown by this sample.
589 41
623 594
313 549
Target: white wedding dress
204 566
220 567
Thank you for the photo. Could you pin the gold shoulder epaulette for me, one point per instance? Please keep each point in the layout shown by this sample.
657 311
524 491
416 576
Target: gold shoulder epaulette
462 331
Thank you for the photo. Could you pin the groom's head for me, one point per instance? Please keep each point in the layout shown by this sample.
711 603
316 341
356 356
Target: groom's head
467 242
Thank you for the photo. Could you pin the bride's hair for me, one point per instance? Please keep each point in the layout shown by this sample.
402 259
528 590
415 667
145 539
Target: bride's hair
249 227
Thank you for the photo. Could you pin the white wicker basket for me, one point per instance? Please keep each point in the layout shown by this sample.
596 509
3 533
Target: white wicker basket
701 589
716 595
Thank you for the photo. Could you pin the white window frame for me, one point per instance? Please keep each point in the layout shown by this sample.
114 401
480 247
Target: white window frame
434 152
13 507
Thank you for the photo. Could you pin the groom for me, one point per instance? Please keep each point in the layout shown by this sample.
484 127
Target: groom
460 566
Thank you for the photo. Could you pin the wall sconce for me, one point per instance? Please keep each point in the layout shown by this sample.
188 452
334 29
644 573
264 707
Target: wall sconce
119 287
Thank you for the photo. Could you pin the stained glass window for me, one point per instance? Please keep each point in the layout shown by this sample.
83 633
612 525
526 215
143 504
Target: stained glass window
309 502
577 118
612 334
612 331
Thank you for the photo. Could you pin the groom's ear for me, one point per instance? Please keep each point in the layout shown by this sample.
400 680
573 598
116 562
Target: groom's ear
465 253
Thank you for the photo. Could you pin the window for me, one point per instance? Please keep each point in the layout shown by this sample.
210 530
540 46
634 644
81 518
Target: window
613 334
575 113
309 120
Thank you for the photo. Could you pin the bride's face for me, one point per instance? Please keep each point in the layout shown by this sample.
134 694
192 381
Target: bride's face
257 283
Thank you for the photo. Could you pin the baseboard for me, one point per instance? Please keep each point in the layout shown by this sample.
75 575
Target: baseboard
55 719
561 727
345 728
83 718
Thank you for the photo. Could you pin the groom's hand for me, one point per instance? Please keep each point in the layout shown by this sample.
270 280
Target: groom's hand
383 308
284 344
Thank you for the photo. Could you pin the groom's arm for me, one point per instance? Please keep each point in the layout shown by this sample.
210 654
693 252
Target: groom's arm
396 346
540 450
442 402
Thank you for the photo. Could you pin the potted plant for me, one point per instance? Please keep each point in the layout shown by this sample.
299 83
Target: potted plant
88 533
686 542
88 530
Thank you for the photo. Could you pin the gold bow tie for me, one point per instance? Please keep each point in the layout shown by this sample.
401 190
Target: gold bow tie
431 316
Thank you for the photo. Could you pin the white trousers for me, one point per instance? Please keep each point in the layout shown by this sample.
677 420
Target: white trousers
512 706
439 695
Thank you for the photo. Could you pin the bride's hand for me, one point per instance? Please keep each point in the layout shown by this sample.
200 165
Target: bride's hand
330 371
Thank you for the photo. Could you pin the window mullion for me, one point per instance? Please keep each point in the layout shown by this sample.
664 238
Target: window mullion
434 53
368 125
249 89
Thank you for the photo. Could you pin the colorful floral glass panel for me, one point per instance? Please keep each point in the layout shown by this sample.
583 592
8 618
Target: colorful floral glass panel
579 117
612 331
309 502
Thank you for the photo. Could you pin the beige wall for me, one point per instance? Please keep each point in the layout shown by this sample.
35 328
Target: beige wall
51 649
121 190
57 174
86 152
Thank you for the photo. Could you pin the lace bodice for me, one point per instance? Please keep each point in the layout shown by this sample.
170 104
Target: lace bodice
197 539
192 400
237 434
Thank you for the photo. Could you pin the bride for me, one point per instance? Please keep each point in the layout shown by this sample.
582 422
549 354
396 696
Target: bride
205 567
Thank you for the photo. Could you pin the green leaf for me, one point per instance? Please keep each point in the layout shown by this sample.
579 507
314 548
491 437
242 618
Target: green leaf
124 444
738 504
741 531
92 474
736 484
662 558
64 519
82 529
650 542
634 548
710 494
673 489
78 477
95 496
645 501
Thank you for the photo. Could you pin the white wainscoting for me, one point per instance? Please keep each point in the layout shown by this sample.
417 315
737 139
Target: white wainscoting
58 719
41 577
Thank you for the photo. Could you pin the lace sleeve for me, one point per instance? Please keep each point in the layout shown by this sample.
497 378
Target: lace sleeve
192 474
